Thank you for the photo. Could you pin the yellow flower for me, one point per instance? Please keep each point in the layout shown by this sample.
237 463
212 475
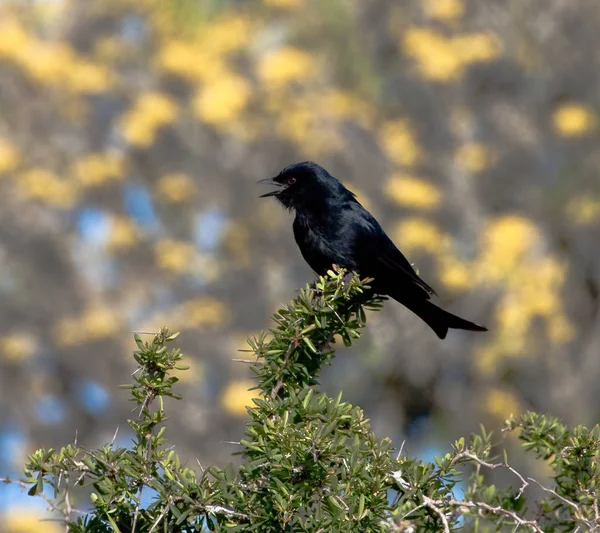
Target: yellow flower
286 65
41 184
124 233
176 188
95 169
18 346
99 322
150 112
441 58
400 144
222 99
473 157
412 191
502 403
581 210
236 397
444 9
416 233
9 156
573 119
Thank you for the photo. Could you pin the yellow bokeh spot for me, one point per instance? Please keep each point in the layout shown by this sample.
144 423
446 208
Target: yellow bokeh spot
191 60
86 77
123 233
238 343
150 112
560 330
473 157
236 397
18 346
411 191
192 375
583 210
419 234
204 311
285 4
346 106
24 520
99 322
505 241
227 34
286 65
9 156
501 403
222 99
444 9
361 195
51 63
399 143
455 274
13 38
573 119
68 332
95 169
442 58
236 241
41 184
176 188
175 256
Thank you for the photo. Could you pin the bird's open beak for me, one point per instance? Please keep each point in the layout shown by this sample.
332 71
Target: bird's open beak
270 181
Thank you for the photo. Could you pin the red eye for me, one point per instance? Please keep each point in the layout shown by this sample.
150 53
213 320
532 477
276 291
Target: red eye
291 180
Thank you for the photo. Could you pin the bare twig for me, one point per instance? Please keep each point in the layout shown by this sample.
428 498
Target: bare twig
137 508
491 466
555 494
433 505
481 506
160 517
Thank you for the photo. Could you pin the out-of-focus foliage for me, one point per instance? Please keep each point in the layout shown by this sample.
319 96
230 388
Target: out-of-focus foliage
310 462
131 136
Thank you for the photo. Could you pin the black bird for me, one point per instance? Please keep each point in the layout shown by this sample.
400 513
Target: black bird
332 227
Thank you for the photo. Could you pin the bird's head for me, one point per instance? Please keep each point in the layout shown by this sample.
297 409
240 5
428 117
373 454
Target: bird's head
304 184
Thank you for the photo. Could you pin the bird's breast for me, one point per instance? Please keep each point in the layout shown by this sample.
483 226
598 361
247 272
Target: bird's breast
322 245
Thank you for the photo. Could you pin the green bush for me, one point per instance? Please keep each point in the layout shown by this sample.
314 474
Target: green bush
311 462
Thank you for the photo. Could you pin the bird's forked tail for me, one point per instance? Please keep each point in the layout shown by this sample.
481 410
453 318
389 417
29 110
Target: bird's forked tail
439 320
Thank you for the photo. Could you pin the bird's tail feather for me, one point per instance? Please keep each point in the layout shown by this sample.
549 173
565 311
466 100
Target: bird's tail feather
439 320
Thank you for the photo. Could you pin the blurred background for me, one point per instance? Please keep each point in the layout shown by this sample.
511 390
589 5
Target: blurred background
132 133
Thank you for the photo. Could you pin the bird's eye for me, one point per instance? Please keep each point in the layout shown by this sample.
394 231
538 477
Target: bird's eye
291 180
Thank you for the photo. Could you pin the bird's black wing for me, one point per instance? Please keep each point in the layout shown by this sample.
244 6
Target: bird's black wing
385 263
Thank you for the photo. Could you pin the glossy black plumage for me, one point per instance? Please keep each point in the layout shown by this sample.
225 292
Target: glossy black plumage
332 227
